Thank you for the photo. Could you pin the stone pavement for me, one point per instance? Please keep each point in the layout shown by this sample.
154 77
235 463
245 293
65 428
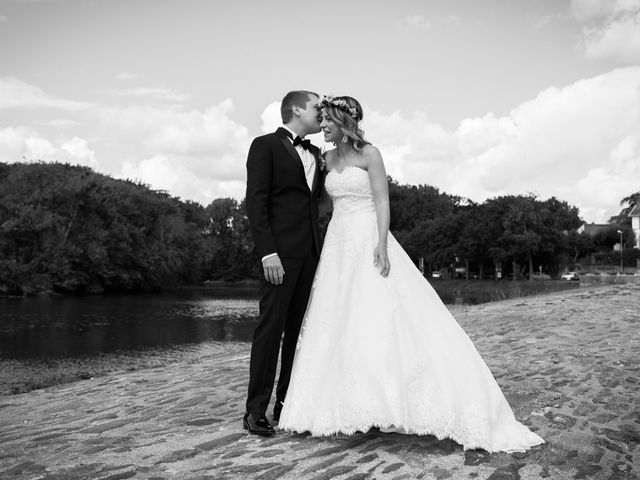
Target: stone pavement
568 363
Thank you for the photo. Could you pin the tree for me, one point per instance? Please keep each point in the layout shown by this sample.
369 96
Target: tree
628 203
230 249
69 229
610 237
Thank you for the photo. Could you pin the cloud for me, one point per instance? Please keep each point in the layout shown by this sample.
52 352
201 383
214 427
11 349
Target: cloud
15 93
26 144
78 149
598 10
11 143
271 117
128 76
179 178
3 18
417 22
580 143
611 28
196 154
163 94
541 22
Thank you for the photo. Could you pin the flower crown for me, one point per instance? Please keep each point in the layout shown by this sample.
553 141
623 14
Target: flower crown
341 104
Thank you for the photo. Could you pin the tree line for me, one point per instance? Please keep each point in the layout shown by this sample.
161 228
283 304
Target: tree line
69 229
513 234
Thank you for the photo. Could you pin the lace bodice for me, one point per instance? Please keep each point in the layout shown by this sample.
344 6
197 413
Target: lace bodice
350 191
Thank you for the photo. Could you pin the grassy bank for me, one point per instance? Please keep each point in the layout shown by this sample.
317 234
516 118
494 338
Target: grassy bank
25 375
481 291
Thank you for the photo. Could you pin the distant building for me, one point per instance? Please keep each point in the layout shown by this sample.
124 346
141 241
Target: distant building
633 213
592 229
635 223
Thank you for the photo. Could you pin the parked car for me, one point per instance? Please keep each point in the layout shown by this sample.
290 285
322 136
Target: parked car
570 276
435 274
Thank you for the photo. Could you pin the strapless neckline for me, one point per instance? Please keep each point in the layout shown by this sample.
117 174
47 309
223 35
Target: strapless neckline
344 168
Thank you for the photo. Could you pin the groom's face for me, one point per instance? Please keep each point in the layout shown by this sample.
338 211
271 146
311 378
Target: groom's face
311 117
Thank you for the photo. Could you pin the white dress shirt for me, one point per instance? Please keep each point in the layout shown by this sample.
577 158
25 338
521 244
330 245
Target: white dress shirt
308 160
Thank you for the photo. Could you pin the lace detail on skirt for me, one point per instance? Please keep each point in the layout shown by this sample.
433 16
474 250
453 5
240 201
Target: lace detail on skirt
386 352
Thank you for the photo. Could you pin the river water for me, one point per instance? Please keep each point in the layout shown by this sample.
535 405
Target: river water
63 327
58 327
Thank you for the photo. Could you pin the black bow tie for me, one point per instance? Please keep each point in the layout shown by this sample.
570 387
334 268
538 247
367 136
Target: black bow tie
306 144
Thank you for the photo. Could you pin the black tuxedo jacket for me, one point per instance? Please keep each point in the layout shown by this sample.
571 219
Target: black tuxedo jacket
282 211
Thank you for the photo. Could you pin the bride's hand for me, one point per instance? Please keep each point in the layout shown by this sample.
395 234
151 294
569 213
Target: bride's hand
381 260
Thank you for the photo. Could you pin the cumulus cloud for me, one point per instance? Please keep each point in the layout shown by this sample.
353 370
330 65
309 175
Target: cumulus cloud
26 144
179 178
611 28
15 93
78 149
579 143
271 117
199 155
415 148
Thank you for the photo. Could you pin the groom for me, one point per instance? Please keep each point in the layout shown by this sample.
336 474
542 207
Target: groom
283 186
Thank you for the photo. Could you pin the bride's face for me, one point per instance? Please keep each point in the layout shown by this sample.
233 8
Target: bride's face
330 129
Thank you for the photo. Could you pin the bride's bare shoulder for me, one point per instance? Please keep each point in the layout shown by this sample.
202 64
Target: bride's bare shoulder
371 154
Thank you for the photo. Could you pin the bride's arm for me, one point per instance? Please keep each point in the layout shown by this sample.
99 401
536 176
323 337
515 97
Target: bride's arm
380 189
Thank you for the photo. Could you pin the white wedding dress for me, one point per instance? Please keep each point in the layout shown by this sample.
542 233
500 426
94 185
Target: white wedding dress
386 352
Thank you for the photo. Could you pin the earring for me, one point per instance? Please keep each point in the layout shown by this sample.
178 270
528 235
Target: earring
345 139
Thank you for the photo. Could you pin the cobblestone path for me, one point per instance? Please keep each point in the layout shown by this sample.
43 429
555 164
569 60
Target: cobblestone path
568 363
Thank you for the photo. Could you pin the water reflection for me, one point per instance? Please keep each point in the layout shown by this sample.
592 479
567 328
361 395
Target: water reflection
60 327
71 326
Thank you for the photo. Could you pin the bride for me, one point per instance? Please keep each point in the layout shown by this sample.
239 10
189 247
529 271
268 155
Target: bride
377 346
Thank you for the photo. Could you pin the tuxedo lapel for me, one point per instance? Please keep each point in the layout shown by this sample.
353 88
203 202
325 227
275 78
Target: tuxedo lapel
293 154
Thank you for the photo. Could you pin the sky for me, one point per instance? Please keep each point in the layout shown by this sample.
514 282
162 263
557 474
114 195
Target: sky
478 98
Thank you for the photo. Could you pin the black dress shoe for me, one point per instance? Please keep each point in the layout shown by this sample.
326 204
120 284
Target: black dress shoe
257 424
277 409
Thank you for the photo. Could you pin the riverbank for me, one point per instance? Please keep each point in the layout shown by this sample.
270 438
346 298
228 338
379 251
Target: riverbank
47 341
567 363
21 376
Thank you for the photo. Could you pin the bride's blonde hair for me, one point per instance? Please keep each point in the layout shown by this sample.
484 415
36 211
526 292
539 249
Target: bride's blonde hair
346 112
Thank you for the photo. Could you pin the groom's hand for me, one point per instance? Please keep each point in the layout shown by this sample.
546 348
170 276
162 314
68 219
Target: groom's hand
273 271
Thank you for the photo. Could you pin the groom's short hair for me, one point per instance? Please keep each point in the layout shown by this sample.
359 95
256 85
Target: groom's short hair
297 97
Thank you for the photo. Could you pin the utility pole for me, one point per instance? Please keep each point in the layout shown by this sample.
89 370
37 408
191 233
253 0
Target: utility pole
621 265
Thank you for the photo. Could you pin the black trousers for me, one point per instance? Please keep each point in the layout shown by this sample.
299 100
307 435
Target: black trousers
282 309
